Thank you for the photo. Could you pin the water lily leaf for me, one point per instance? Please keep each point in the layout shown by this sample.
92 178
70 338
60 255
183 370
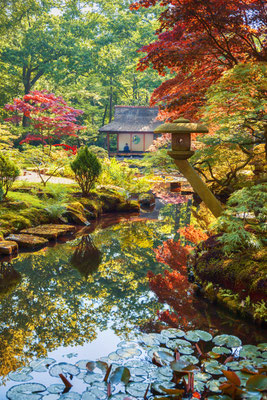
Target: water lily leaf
136 389
42 364
62 368
250 351
262 346
91 378
81 375
253 395
56 388
221 350
199 386
234 365
138 372
157 388
189 359
151 339
128 352
179 365
114 356
21 374
257 382
192 336
264 354
125 343
232 377
26 391
213 367
166 371
70 396
213 386
218 397
121 396
172 333
203 335
186 350
82 363
121 374
94 394
50 397
202 376
176 343
165 355
138 363
227 340
153 350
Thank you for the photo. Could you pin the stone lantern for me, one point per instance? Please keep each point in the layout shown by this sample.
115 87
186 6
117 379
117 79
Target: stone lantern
181 130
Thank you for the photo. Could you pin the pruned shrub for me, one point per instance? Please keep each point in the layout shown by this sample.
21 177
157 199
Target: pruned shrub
86 168
8 173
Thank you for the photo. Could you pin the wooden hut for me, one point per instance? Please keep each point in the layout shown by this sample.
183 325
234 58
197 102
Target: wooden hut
134 128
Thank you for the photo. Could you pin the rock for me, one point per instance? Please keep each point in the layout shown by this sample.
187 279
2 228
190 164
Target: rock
27 241
49 231
131 206
146 200
75 214
8 247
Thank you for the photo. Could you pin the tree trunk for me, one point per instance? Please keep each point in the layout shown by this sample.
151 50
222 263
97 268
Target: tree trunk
110 100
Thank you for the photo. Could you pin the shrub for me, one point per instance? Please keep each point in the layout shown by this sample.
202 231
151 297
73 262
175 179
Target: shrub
8 173
86 168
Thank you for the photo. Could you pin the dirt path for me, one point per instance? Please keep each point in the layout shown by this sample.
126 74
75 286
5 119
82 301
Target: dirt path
34 177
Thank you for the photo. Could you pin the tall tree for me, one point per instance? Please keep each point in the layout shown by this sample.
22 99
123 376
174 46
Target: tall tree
197 41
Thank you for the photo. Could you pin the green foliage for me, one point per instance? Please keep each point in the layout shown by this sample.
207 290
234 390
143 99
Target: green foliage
244 221
87 169
260 310
1 193
158 160
8 173
119 174
98 151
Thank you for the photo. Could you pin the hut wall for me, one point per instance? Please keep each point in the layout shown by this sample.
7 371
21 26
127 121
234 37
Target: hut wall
149 137
124 138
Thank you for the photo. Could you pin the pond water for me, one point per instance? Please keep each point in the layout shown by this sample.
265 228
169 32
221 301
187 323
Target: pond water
79 298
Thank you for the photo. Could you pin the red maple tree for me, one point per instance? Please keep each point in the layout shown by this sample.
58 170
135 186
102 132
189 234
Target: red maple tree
197 41
49 116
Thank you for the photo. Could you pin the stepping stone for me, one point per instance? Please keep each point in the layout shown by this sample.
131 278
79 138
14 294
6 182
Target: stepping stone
49 231
8 247
27 241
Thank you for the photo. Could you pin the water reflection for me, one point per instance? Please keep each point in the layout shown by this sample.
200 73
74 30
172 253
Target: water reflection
86 257
51 306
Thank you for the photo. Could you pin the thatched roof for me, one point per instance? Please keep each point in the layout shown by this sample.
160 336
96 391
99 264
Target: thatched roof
133 119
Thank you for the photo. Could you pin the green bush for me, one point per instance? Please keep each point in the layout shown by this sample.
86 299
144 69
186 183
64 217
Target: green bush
1 193
8 173
86 168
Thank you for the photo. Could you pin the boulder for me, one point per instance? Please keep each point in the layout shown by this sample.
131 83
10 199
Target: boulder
75 214
146 200
49 231
27 241
8 247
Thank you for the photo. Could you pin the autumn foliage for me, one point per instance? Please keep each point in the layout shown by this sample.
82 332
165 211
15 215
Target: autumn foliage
193 234
49 116
197 41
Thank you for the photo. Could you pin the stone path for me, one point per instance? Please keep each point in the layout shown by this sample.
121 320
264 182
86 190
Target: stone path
34 177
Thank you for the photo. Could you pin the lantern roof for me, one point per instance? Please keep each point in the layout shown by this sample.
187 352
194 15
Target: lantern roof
181 125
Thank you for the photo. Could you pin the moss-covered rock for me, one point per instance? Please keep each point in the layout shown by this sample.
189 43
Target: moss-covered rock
146 200
75 213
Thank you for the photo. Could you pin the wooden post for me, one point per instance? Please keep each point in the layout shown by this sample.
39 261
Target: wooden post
108 143
199 187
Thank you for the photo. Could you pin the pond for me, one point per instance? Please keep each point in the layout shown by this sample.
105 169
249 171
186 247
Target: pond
79 298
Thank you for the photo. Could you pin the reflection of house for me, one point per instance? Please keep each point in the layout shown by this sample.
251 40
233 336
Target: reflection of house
134 127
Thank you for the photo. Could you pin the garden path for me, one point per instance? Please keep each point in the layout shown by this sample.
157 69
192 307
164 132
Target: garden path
28 176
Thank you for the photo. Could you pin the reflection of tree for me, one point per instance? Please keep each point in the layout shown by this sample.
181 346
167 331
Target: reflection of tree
9 278
55 306
86 257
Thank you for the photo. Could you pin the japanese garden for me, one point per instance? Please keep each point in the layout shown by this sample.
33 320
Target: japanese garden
133 200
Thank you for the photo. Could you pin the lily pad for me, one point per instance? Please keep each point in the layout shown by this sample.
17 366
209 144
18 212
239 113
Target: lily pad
227 340
250 351
21 374
120 375
166 371
62 368
257 382
186 350
82 363
189 359
202 376
114 356
50 397
213 367
153 350
176 343
91 378
26 391
262 346
213 385
56 388
42 364
136 389
165 355
129 352
151 339
203 335
125 343
156 387
172 333
199 386
94 394
192 336
70 396
221 350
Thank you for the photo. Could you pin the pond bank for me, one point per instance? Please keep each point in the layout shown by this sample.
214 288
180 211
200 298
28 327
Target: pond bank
236 282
